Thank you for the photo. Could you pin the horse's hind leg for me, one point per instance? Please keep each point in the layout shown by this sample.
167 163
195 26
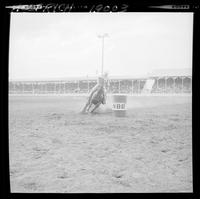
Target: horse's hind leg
96 106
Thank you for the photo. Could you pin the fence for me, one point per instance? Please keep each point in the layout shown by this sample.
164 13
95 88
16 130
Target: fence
129 86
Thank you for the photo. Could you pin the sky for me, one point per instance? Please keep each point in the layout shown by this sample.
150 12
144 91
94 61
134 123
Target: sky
54 45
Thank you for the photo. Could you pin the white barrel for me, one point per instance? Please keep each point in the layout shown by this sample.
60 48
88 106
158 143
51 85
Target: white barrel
119 105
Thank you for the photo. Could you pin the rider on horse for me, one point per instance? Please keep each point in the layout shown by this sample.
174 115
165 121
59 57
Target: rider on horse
96 97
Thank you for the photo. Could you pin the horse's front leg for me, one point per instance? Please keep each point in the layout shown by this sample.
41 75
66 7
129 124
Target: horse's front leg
85 107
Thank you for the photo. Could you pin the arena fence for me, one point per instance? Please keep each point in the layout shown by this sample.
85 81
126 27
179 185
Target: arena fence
126 86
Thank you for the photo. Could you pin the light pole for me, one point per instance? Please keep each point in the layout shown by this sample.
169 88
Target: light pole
102 37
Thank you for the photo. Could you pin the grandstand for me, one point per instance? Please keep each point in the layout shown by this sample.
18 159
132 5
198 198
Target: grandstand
158 81
172 80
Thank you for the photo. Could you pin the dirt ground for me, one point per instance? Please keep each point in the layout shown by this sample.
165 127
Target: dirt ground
55 149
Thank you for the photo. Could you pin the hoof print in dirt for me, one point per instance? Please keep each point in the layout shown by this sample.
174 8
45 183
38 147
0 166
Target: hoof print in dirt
39 152
182 159
153 142
165 150
63 175
120 180
117 175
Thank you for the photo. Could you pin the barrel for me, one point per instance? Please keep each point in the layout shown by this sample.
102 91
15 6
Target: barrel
119 105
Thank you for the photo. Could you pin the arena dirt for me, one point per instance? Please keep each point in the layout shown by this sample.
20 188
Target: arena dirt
53 148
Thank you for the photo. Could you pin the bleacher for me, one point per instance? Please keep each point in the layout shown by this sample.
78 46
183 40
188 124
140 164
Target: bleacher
163 83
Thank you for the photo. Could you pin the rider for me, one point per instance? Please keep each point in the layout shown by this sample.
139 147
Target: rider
96 97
